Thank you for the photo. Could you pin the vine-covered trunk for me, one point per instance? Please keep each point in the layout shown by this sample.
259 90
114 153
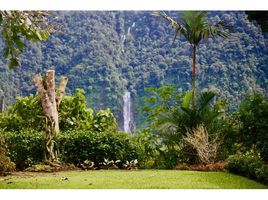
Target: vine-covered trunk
193 77
50 100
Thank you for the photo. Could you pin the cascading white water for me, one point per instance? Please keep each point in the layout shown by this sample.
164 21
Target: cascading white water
126 35
123 38
127 112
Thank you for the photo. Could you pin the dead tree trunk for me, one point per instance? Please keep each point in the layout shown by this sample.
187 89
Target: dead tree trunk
50 100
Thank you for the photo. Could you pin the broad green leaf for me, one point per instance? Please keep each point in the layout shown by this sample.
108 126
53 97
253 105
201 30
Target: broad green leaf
6 52
187 99
14 62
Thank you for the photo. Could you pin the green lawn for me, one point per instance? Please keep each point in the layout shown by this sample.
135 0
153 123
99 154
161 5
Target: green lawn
119 179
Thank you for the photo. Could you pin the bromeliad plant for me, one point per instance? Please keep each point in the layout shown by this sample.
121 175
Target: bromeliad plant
109 164
130 165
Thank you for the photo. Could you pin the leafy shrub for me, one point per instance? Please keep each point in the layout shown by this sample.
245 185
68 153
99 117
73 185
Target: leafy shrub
148 146
253 116
5 162
228 133
26 112
25 148
262 174
73 112
105 121
76 146
244 164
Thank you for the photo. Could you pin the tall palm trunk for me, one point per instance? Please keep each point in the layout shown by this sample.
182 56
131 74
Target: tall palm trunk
2 101
193 76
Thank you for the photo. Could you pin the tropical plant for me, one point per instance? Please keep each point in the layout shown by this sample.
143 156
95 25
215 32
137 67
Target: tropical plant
76 146
247 164
73 112
25 147
133 164
204 112
87 165
183 118
172 116
253 118
195 28
109 164
148 146
104 120
161 101
26 112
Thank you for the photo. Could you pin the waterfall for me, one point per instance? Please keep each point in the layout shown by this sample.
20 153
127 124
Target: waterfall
127 114
126 35
123 39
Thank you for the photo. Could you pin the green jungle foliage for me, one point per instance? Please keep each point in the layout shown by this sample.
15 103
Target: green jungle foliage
108 52
27 112
253 118
244 164
79 145
25 147
248 164
262 174
169 114
22 127
171 117
18 26
73 112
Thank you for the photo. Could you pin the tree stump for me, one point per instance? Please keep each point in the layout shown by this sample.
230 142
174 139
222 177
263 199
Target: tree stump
50 100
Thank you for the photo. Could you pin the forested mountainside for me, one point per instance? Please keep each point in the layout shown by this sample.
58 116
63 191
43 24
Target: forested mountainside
106 53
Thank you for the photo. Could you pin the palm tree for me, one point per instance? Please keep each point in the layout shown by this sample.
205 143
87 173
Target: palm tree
194 27
180 119
173 125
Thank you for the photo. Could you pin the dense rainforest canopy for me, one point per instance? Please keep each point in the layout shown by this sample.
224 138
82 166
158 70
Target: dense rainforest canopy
106 53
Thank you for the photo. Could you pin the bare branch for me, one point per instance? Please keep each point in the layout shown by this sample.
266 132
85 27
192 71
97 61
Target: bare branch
61 90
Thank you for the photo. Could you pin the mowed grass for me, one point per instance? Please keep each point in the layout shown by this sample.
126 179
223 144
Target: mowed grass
120 179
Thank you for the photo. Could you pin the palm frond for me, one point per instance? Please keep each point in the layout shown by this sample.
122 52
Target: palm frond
217 30
179 29
168 123
187 99
204 100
